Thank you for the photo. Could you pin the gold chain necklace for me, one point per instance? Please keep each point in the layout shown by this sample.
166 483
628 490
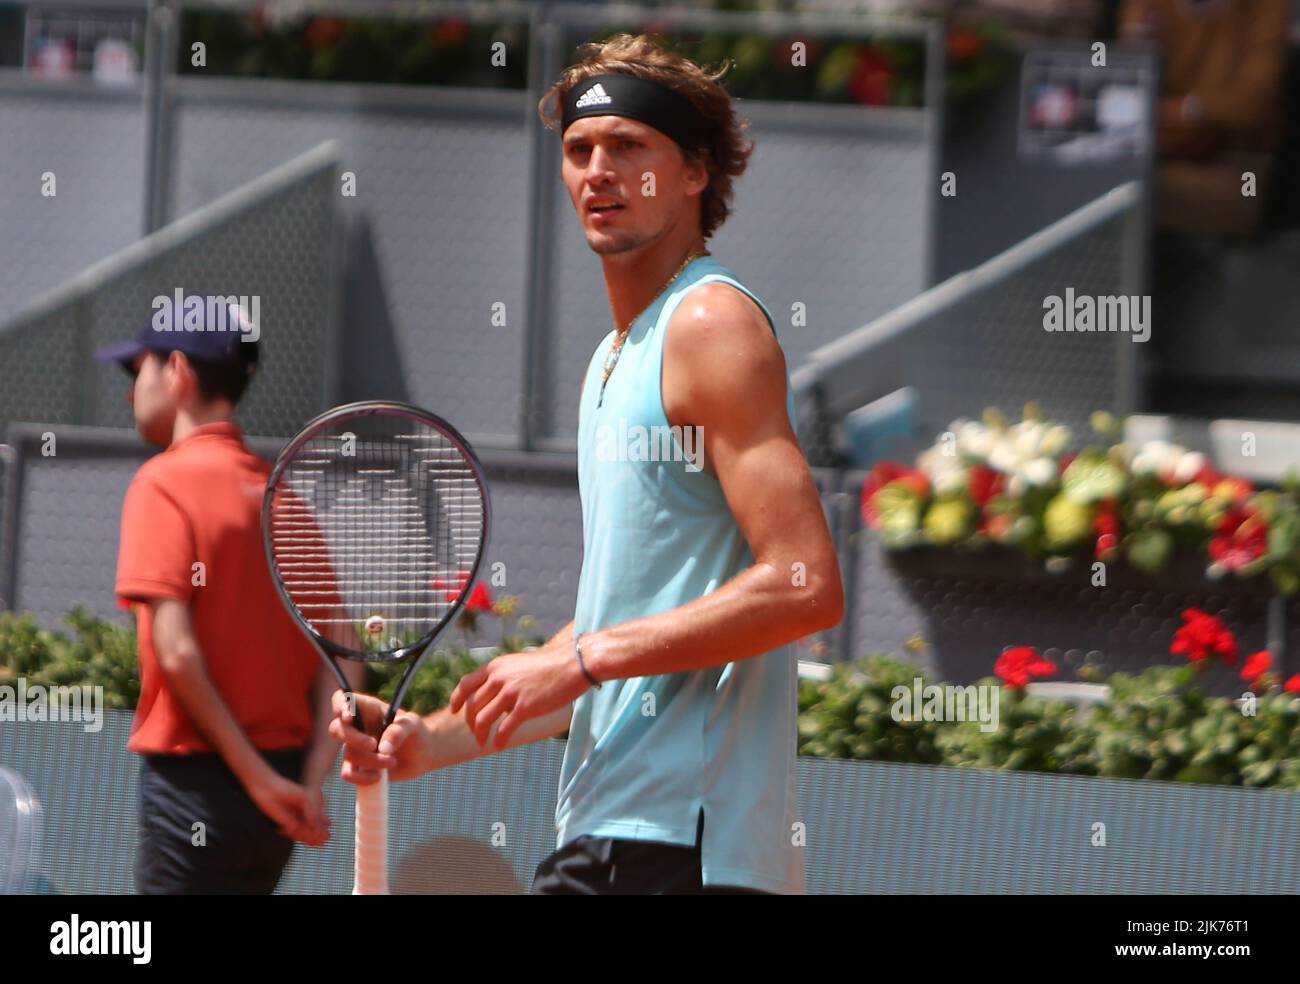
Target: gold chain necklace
611 360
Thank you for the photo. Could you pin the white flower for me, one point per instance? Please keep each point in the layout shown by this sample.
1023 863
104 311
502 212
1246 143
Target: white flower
935 464
1028 435
279 13
1056 440
1004 456
1040 471
1157 456
1017 486
943 470
973 439
950 482
1188 465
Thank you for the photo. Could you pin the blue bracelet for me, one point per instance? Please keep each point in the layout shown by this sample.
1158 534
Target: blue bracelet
577 649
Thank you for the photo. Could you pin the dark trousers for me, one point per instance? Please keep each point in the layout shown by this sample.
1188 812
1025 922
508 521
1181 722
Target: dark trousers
616 866
237 851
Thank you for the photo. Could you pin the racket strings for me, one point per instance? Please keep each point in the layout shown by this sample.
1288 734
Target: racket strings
375 531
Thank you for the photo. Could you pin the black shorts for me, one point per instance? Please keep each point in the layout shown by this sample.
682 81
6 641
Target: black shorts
241 851
616 866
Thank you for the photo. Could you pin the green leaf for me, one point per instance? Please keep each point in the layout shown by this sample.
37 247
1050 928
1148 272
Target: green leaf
1149 550
1092 478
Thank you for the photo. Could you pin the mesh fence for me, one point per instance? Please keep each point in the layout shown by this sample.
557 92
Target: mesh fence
982 340
69 506
871 827
278 247
992 349
91 142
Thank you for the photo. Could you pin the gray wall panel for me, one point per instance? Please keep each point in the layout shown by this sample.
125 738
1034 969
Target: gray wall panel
441 184
279 245
68 536
93 141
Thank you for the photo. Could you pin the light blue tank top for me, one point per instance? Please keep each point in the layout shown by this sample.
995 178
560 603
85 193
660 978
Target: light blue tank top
646 755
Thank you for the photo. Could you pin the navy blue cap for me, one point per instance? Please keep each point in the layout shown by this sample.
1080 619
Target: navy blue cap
207 328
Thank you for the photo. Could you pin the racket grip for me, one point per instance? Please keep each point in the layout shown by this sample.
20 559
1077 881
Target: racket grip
371 849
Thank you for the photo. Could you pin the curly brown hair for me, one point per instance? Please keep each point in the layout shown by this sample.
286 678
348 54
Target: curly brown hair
727 153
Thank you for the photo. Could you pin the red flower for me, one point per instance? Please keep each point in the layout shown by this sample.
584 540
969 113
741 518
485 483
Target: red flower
1242 537
1107 520
1207 476
1203 637
964 45
1068 460
451 589
1232 488
1017 665
451 32
257 18
479 600
1293 685
1257 664
324 31
872 80
984 484
885 473
1106 527
996 525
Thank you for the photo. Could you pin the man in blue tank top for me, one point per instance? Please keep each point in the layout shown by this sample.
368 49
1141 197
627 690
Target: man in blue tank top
706 551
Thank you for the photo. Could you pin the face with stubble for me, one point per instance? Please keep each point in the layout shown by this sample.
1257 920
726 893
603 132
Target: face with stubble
630 184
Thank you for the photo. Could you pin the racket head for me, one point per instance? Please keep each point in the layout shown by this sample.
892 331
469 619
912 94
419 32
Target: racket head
375 520
20 815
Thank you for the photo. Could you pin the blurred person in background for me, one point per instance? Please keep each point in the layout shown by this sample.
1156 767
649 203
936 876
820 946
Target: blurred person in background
1220 109
232 720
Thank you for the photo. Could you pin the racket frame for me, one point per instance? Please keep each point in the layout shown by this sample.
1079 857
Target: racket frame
372 800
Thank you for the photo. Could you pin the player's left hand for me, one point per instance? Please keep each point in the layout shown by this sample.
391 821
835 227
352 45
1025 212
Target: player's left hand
515 687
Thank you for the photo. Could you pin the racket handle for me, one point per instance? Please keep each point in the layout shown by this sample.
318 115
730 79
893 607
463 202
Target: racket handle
371 850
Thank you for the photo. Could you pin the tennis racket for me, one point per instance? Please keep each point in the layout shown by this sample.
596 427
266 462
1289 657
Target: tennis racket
20 814
374 520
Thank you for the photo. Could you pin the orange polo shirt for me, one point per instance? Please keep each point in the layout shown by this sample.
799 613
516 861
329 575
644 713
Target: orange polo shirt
200 503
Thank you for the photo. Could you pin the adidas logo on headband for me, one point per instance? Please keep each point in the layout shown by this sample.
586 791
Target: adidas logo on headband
595 96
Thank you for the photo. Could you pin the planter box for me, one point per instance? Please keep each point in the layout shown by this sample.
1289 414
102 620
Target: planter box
969 605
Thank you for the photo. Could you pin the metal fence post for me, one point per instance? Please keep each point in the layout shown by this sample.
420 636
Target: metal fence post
161 29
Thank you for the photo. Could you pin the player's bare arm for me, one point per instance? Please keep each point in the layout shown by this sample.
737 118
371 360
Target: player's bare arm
725 373
413 745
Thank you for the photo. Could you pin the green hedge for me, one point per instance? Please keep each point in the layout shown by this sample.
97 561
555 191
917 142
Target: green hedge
1156 725
102 653
98 654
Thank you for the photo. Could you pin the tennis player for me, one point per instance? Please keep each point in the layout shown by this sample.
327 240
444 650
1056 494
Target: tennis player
705 555
232 723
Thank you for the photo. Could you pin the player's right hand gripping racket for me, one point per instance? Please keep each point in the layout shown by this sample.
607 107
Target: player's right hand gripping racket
374 520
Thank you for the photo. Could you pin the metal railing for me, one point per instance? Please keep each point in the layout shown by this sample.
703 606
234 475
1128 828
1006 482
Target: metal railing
878 359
